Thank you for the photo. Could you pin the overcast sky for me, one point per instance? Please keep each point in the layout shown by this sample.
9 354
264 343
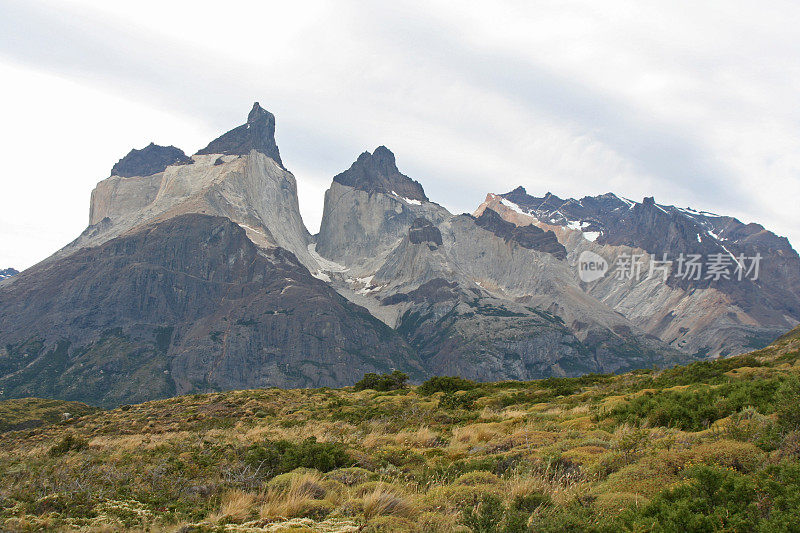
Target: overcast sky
695 103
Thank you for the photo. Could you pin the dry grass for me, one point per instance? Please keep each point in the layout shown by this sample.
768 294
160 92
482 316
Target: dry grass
411 463
289 501
423 437
237 505
478 433
384 500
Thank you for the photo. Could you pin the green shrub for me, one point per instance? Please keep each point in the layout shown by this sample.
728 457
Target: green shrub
704 371
490 515
630 443
787 402
573 518
446 384
789 447
383 382
459 400
712 499
280 456
748 425
719 499
568 386
778 486
696 409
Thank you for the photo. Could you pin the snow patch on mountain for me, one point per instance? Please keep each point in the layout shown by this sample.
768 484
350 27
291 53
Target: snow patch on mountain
407 200
514 207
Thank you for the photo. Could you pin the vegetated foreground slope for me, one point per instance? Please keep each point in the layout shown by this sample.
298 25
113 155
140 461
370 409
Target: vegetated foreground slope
711 446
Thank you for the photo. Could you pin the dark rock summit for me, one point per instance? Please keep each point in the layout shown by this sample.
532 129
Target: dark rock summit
377 172
423 231
258 134
531 237
150 160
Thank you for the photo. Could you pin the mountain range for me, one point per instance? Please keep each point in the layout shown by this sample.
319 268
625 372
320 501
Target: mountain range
197 273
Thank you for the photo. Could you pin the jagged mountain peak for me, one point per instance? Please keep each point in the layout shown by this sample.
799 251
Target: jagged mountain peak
150 160
382 160
258 134
259 113
378 172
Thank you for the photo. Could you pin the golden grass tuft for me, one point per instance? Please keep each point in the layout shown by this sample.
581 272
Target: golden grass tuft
237 505
384 500
302 496
423 437
477 433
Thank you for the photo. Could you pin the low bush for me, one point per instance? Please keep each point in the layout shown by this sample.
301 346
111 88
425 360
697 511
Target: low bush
491 515
383 382
696 409
351 475
711 499
446 384
280 456
748 425
704 371
787 402
573 518
459 400
731 454
719 499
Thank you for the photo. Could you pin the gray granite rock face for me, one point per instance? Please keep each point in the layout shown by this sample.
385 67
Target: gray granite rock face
189 304
361 224
252 190
477 296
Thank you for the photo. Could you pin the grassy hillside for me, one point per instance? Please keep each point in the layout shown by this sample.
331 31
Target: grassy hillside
28 413
712 446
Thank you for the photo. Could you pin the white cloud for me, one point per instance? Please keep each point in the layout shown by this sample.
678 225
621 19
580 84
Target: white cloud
59 139
693 103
